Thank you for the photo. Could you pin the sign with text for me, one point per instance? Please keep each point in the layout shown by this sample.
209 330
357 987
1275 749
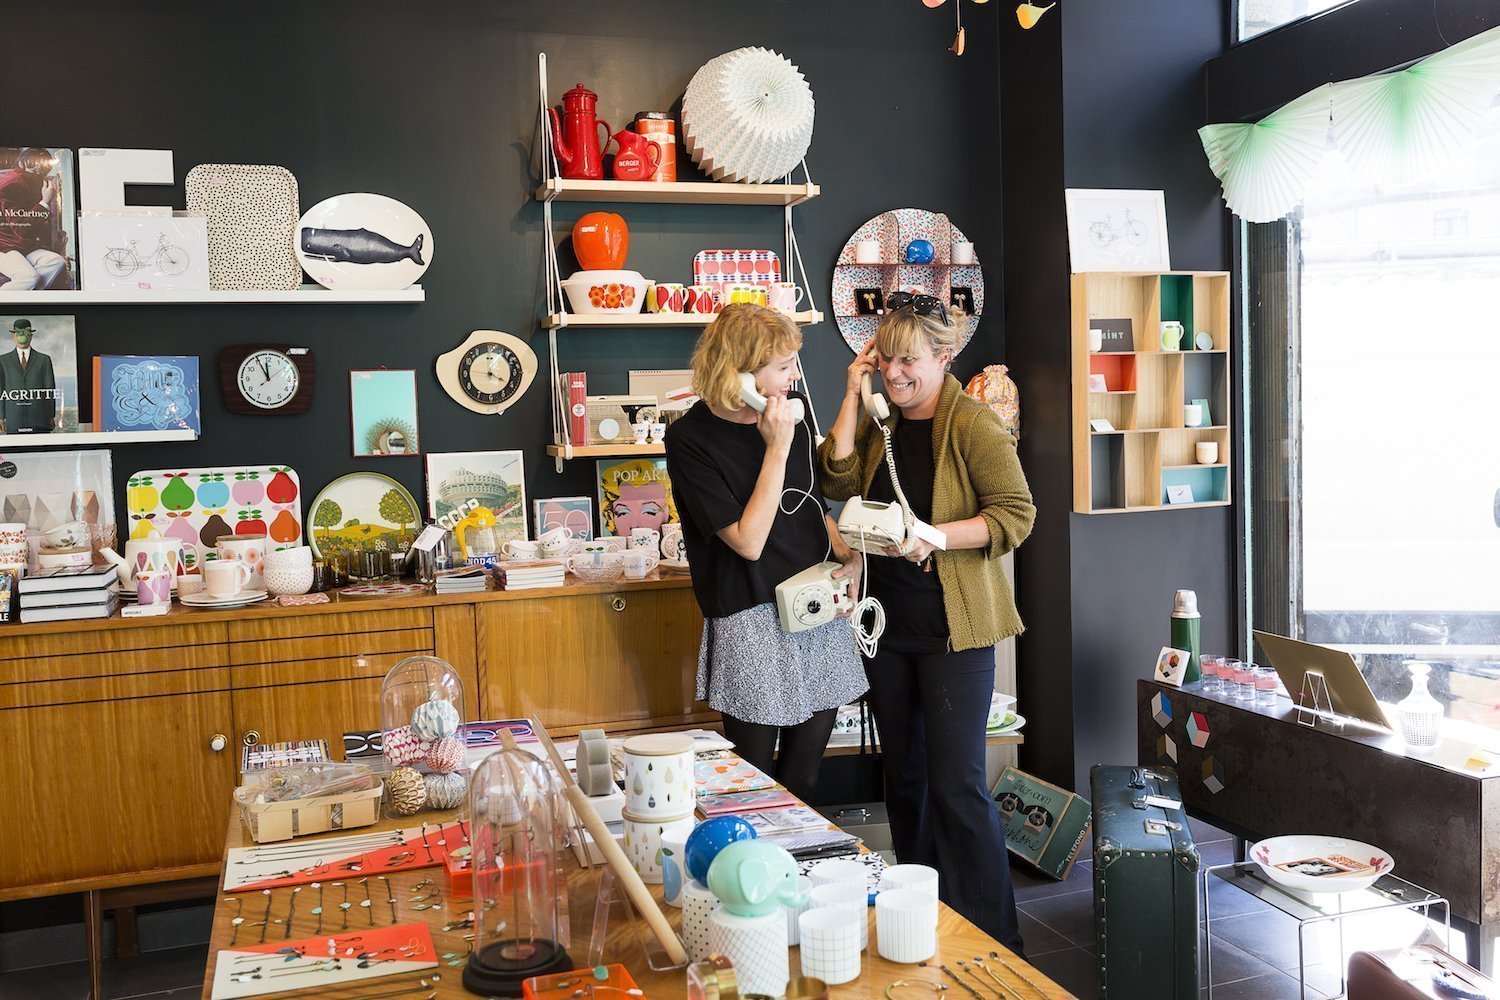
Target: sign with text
1044 824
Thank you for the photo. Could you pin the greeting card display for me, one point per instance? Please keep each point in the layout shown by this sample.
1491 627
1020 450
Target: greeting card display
200 506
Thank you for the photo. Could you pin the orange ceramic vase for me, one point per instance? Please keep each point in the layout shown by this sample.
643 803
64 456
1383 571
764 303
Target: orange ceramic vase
601 241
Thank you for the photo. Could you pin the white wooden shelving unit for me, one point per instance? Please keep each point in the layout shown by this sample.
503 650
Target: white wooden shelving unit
306 295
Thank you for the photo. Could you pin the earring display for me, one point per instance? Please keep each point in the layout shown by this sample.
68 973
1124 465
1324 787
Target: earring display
323 963
310 861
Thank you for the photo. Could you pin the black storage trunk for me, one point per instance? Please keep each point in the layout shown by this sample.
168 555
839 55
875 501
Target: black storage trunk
1145 886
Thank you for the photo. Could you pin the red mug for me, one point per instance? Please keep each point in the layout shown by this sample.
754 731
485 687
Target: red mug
698 299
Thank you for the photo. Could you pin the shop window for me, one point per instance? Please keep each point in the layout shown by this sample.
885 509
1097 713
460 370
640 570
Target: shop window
1373 371
1258 16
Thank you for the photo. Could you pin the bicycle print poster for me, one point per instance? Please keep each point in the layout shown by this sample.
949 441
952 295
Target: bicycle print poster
143 252
1117 230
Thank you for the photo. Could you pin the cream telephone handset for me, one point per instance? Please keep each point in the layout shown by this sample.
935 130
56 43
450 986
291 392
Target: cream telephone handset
757 402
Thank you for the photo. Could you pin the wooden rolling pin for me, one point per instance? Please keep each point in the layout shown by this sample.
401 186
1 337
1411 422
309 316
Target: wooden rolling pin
625 875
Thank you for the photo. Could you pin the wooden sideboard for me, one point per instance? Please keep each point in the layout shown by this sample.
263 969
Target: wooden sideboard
109 774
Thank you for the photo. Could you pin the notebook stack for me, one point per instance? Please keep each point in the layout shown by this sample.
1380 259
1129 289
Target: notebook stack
463 580
526 574
67 594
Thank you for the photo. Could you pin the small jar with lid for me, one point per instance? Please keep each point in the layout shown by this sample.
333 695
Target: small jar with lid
660 128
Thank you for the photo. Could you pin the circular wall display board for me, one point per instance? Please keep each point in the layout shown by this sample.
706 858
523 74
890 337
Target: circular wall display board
363 241
894 230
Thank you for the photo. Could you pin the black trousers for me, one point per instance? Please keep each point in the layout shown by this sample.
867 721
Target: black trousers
802 748
930 710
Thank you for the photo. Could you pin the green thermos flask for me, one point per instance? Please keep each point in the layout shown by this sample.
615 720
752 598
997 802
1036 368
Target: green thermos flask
1186 627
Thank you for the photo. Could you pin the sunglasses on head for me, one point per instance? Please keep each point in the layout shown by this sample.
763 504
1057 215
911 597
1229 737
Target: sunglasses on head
922 305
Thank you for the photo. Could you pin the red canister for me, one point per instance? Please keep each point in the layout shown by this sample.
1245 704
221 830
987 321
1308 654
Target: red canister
661 128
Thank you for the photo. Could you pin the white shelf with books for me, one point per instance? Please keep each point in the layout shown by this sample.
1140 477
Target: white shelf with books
305 295
72 439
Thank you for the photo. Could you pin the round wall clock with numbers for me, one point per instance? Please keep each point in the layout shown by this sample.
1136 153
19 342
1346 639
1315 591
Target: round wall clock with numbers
487 372
266 378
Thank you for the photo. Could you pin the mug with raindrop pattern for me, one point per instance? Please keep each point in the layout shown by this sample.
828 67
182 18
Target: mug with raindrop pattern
659 774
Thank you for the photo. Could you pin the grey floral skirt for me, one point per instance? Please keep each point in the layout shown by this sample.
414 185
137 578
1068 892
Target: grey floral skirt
749 668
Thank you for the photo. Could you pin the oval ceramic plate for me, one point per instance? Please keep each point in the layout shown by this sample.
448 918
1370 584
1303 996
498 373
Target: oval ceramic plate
207 600
358 511
1320 864
366 242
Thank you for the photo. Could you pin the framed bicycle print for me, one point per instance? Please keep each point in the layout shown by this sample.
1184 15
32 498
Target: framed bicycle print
142 252
1117 230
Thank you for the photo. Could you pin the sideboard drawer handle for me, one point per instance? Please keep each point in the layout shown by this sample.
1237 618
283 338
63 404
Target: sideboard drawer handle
617 602
218 743
251 738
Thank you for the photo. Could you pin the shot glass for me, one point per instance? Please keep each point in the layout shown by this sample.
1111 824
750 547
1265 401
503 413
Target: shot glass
1265 685
1244 681
1209 664
1228 668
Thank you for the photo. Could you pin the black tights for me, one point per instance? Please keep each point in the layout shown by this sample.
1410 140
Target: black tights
802 748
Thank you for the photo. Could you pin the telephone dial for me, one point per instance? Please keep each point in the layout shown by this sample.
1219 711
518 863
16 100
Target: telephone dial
812 598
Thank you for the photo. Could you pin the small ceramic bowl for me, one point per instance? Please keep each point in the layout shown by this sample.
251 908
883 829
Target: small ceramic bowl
606 292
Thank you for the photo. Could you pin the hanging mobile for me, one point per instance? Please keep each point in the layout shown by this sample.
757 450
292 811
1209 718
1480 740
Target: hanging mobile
237 918
265 923
390 897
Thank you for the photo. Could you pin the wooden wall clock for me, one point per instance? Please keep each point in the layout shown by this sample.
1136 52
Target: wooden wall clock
266 378
487 372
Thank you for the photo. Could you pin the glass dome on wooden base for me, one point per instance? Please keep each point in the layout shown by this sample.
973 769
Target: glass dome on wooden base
520 891
421 717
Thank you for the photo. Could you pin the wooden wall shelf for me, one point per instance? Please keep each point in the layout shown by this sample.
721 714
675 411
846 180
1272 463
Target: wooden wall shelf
1129 468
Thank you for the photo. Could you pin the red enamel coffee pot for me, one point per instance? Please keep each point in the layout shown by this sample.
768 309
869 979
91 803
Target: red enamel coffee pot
576 137
638 157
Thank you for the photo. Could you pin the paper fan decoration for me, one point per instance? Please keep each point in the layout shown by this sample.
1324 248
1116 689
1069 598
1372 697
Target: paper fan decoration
747 116
1265 166
1398 127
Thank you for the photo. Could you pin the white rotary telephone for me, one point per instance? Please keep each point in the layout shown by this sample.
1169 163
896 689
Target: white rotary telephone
870 526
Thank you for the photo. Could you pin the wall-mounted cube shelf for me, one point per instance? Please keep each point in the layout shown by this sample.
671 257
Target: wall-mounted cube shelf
1145 390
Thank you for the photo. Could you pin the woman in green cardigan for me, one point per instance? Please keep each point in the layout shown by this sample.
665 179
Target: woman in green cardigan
933 672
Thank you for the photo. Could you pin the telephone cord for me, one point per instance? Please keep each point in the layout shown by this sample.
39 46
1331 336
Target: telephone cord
890 466
867 637
805 495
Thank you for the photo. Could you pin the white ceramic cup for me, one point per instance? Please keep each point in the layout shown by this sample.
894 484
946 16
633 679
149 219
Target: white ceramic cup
671 542
854 898
1192 414
1206 452
906 925
555 543
1096 340
636 563
67 536
962 252
645 538
658 432
793 928
867 252
226 577
920 877
836 870
189 584
642 430
830 944
248 549
674 870
153 586
786 296
520 548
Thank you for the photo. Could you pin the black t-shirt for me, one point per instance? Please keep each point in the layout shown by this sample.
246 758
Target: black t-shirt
714 464
913 598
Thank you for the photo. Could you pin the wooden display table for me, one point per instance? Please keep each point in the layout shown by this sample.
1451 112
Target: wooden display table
958 940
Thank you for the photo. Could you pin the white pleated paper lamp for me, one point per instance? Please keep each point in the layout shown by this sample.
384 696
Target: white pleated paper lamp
1266 166
747 116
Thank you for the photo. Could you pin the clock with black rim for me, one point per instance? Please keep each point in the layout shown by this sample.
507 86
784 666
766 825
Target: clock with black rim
266 378
488 372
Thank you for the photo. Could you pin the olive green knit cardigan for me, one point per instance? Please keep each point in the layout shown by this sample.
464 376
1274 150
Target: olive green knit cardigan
977 472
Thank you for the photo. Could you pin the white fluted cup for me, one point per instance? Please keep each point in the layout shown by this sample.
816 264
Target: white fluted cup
838 871
854 898
757 948
906 925
830 944
922 877
804 886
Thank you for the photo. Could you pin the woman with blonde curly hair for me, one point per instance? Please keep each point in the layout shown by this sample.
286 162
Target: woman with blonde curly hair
934 670
752 516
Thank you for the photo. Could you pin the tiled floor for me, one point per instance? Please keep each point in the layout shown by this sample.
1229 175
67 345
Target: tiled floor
1254 949
1254 953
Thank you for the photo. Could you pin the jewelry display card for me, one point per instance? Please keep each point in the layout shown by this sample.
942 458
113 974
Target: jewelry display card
302 861
323 962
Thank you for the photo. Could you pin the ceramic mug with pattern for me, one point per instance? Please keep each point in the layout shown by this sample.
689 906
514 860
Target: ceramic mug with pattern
250 550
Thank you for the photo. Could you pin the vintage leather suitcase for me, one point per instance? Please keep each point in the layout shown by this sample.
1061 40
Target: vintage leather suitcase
1146 875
